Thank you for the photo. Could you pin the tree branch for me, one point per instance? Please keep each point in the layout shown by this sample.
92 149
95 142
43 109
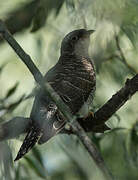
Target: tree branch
112 105
93 151
90 124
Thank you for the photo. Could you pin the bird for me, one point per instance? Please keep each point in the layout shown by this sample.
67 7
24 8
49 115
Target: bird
74 79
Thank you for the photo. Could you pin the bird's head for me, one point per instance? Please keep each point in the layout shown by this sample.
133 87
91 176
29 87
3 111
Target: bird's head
76 42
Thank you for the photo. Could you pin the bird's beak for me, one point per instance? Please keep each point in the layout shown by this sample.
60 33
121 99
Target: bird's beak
90 32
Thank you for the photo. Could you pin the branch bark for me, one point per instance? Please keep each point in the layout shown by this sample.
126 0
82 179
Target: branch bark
111 106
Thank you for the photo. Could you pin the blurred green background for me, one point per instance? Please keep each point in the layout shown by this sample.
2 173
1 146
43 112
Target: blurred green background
39 27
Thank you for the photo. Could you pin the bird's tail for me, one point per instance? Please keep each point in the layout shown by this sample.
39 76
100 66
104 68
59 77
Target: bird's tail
30 140
53 123
51 129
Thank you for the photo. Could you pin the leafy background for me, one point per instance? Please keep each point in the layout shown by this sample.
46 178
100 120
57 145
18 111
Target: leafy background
39 27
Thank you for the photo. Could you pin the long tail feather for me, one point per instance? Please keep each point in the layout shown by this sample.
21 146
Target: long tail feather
29 141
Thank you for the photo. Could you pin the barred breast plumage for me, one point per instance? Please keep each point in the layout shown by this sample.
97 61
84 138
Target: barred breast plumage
74 80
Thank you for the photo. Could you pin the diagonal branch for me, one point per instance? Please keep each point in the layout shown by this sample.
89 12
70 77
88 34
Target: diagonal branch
112 105
77 129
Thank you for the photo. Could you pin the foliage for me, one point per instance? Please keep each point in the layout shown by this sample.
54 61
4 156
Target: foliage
114 50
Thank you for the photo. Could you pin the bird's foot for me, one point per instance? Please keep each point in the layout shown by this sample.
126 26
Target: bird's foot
90 114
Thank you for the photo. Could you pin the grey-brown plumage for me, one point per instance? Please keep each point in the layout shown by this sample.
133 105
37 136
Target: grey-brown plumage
73 78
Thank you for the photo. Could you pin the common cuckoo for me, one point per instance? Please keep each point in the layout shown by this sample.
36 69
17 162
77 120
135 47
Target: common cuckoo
73 78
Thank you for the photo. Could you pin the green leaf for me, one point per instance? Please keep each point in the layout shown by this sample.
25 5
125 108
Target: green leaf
115 130
70 5
12 90
6 159
17 172
122 13
131 32
2 67
76 161
133 144
45 7
38 168
37 155
12 106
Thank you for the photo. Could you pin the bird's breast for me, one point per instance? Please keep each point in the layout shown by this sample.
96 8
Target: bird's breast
74 80
80 74
83 70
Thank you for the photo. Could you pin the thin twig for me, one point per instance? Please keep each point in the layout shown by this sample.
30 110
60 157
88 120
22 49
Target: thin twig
93 151
133 71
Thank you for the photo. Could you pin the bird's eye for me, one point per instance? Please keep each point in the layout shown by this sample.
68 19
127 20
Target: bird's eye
74 38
